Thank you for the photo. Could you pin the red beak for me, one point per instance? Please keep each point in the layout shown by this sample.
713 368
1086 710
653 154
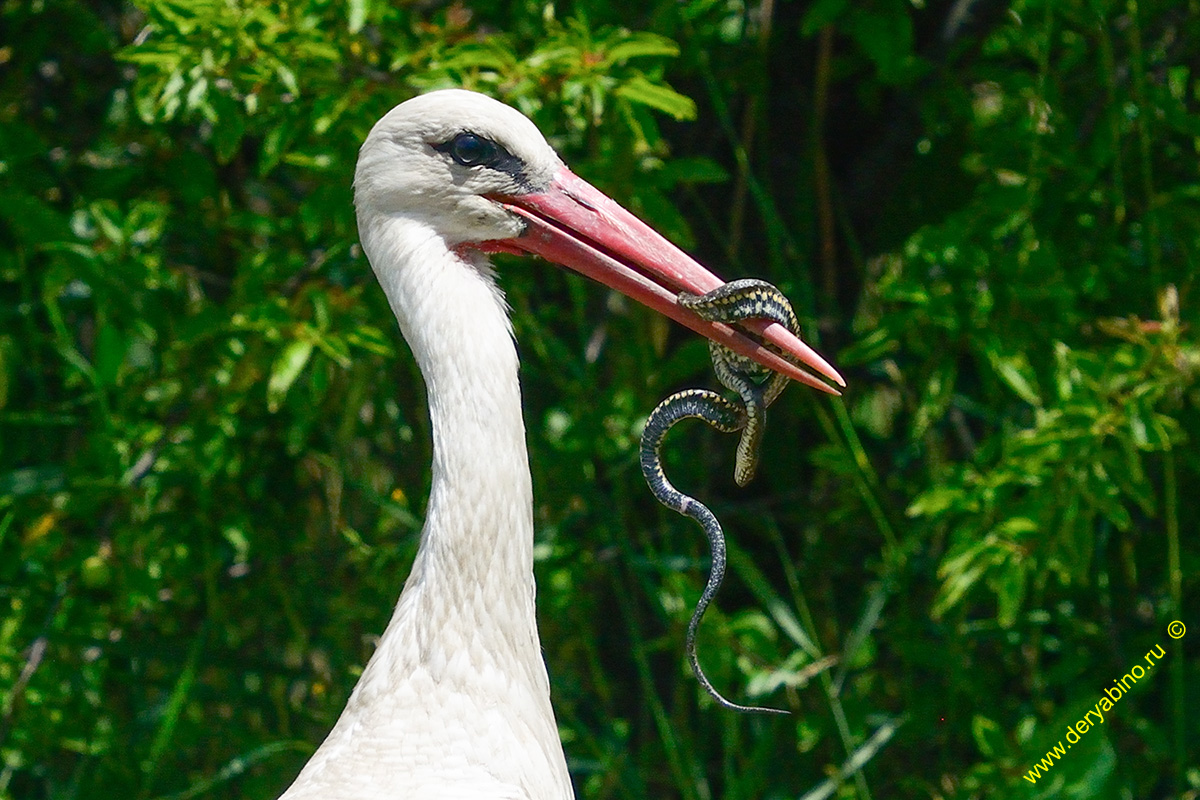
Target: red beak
576 225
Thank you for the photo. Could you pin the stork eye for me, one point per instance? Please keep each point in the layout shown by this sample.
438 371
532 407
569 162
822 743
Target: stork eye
471 150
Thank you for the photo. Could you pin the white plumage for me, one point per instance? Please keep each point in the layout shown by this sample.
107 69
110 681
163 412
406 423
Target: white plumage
455 702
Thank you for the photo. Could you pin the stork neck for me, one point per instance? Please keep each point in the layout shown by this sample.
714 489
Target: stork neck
478 533
457 689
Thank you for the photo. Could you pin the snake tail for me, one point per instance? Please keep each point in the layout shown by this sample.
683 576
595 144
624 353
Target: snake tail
726 417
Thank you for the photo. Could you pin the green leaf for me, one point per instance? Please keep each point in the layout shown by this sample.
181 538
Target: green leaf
110 354
227 136
8 366
1017 527
335 347
357 16
658 96
285 370
871 347
150 56
939 391
642 44
196 94
371 339
934 501
887 39
488 55
276 143
1009 585
989 738
287 77
1017 373
955 587
32 480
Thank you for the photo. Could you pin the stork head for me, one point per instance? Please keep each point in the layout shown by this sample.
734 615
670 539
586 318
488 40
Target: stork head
480 175
441 157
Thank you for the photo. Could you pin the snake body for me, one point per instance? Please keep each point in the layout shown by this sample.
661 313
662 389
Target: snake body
757 388
735 301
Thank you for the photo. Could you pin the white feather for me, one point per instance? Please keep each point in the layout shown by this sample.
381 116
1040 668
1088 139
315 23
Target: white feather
455 702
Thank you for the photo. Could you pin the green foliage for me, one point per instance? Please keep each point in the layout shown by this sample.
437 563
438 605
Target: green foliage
214 451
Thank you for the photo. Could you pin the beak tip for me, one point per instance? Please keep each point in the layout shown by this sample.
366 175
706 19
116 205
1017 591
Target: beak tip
826 370
822 386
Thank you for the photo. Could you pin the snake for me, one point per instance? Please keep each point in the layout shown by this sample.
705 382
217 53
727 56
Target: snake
756 387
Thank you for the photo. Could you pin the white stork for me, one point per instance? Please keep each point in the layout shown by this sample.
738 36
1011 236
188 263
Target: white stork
455 702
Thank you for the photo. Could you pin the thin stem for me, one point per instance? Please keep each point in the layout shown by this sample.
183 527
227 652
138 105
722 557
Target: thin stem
1108 71
1142 125
1042 106
692 783
822 185
832 694
737 211
865 479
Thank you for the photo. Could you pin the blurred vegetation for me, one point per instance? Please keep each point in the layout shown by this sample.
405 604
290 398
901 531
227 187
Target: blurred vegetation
214 450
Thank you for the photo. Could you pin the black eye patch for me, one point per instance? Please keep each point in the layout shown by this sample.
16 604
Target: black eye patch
472 150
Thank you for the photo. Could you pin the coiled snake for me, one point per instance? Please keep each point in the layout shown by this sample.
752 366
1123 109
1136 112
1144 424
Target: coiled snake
757 387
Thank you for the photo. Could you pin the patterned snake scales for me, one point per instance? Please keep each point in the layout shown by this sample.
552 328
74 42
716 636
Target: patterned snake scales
733 302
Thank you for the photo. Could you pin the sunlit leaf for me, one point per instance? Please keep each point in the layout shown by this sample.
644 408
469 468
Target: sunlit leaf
287 367
357 15
641 44
640 90
1017 373
989 737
